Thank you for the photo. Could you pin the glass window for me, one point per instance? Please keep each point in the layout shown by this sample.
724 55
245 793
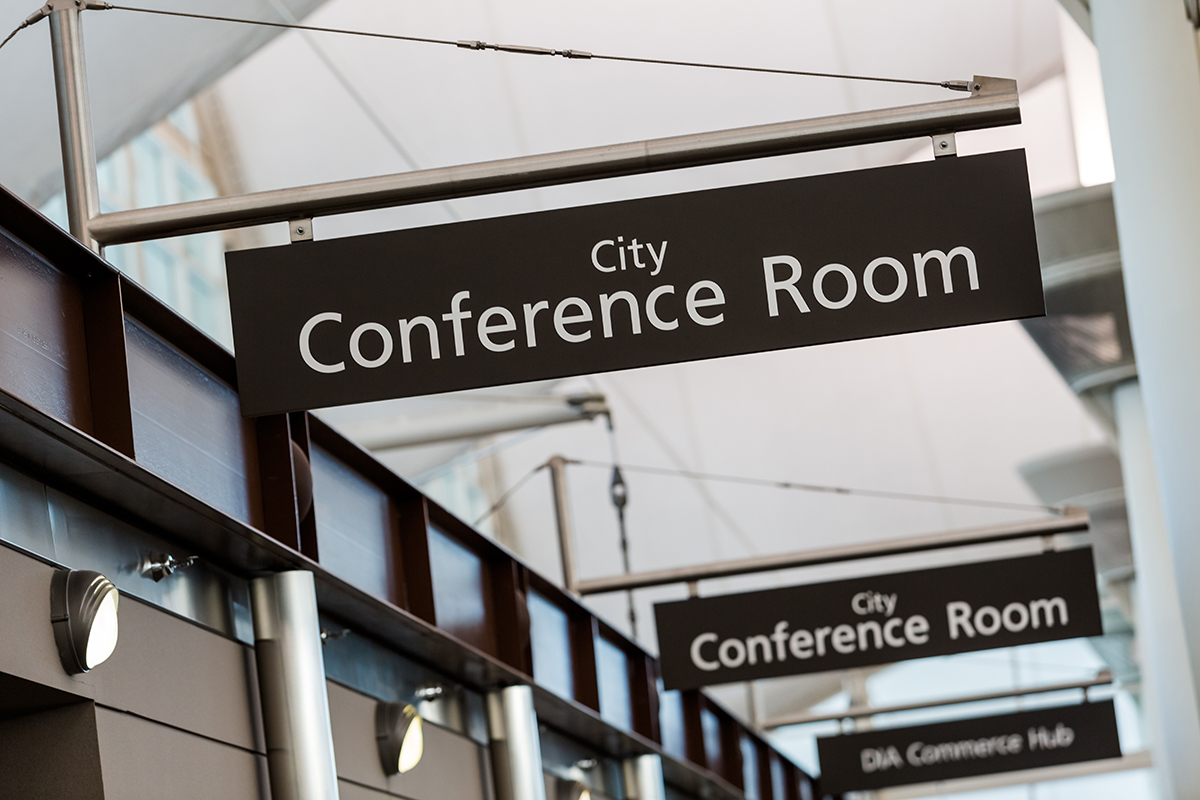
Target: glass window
751 781
710 726
670 716
460 591
550 634
354 524
612 673
159 272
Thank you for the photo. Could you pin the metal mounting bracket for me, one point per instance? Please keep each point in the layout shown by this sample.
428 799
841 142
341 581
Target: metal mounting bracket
300 230
944 145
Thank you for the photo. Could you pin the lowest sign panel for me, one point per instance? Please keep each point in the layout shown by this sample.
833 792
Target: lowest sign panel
877 620
964 748
631 284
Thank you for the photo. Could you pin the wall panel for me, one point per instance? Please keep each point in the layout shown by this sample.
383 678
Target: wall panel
452 767
43 354
143 760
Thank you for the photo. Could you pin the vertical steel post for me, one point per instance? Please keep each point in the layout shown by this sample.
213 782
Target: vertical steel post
562 517
74 120
1152 90
1168 686
644 778
291 678
516 745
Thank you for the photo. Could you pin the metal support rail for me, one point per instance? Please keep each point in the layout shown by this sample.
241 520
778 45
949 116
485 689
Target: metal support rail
1104 678
1074 521
993 102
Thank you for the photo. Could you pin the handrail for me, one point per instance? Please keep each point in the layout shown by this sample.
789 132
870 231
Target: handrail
993 102
1073 521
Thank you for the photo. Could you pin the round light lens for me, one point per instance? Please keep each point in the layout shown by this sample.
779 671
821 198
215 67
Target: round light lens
102 639
413 746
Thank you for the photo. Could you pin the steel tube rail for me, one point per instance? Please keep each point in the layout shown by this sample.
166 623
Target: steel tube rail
74 122
1072 522
993 102
562 520
858 712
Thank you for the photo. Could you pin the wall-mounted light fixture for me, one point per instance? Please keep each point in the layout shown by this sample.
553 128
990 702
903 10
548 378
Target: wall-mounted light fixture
399 731
83 613
400 737
573 790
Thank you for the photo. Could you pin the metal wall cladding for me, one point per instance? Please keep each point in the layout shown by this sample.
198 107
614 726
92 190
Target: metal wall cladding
453 767
68 531
173 692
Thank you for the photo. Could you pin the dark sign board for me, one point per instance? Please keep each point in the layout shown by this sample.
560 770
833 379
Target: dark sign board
877 620
963 748
636 283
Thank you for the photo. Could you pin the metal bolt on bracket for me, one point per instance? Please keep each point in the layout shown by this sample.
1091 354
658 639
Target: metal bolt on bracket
944 145
300 230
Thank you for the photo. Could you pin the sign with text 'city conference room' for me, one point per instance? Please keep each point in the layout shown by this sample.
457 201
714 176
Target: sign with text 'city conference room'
964 748
877 620
631 284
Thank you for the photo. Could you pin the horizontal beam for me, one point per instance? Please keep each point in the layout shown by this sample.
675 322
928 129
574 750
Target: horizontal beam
1074 521
857 712
993 102
474 422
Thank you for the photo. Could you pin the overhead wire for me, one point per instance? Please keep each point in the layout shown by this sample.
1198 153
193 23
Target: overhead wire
339 74
823 489
32 18
500 501
471 44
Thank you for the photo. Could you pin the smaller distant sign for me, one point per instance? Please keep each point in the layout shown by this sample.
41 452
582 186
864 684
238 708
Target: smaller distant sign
964 748
878 619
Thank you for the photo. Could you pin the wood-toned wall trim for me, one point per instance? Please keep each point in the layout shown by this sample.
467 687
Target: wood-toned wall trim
108 363
510 583
584 630
414 558
275 463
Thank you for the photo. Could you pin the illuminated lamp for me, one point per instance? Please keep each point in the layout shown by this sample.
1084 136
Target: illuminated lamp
399 736
83 613
573 790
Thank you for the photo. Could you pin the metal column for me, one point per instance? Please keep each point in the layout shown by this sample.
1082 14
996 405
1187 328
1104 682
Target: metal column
1152 91
291 678
1170 696
74 120
516 745
644 778
562 518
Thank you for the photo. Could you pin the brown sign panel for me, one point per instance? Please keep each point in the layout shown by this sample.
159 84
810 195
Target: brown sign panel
660 280
877 620
964 748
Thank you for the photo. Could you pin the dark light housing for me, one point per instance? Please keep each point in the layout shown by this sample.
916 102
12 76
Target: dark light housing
83 613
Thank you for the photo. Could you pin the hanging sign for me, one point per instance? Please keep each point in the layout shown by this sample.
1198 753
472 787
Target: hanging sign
963 748
877 620
636 283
